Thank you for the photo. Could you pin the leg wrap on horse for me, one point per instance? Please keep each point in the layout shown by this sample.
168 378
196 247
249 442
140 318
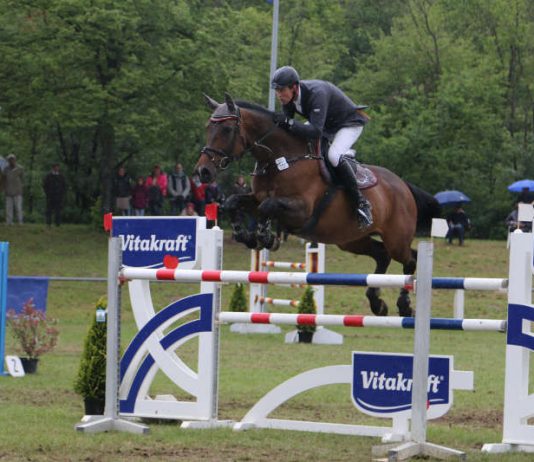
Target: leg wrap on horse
265 237
346 171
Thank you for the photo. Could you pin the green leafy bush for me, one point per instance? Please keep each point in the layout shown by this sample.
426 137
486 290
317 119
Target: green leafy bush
91 380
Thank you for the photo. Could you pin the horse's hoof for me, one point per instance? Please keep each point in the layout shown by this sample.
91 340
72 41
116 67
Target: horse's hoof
275 245
403 304
380 308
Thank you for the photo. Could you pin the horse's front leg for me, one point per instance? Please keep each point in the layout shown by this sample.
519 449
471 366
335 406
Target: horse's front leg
240 207
283 210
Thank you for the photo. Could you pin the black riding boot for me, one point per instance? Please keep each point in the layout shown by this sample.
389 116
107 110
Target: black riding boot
348 177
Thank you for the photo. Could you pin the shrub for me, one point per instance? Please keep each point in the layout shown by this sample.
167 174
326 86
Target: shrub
238 301
91 380
307 306
35 333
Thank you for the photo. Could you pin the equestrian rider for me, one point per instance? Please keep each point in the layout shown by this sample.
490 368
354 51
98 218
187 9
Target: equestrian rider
330 113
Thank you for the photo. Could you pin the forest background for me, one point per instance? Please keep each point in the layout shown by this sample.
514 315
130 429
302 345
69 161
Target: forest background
96 83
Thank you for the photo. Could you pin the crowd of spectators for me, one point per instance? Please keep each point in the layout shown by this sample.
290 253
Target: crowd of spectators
175 193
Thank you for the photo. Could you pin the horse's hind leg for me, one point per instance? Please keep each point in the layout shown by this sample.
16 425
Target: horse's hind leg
377 251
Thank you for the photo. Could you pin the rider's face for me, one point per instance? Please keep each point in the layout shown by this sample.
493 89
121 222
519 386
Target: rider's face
285 94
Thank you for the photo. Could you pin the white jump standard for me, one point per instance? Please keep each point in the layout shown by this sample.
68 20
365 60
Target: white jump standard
153 347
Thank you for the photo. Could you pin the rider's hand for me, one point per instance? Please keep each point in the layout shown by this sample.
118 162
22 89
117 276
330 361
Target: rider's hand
280 119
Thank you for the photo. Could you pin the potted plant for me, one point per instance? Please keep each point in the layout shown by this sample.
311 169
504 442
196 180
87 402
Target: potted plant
238 301
90 383
306 306
35 333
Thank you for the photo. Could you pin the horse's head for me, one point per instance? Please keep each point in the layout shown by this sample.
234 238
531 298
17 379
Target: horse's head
224 142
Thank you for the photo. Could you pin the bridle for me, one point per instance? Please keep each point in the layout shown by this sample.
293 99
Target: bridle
220 157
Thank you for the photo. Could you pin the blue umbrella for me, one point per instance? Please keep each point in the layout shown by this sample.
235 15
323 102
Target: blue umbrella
451 197
518 186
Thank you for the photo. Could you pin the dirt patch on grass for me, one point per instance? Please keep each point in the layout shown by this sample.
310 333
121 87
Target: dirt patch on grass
473 418
160 453
43 398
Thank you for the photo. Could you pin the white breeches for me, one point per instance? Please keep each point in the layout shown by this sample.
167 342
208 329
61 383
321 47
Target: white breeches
343 140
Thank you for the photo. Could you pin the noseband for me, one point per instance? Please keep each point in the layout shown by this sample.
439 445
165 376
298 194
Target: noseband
224 158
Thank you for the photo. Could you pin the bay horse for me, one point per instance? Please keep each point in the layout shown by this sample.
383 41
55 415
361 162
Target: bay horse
290 189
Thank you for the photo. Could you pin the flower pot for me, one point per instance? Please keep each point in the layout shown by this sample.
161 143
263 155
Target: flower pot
94 406
305 336
29 365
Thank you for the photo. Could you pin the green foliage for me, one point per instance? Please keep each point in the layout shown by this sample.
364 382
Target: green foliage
94 84
307 306
34 332
238 301
91 380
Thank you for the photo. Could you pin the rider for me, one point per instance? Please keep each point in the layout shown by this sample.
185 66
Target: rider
330 112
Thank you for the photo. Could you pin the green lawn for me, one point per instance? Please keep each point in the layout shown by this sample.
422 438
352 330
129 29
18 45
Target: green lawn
38 412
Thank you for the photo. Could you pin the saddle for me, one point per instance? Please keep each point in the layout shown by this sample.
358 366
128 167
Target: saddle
365 177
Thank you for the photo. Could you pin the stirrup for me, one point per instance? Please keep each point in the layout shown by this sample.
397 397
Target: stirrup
365 217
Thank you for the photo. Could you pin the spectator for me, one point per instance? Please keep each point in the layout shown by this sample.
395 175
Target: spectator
459 223
159 178
122 189
156 185
13 177
240 186
513 224
198 193
139 197
189 210
526 196
214 193
55 187
178 189
3 165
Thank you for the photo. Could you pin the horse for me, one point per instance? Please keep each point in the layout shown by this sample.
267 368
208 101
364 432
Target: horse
290 189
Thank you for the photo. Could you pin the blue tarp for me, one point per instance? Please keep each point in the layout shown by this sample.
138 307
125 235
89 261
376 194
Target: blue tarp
20 289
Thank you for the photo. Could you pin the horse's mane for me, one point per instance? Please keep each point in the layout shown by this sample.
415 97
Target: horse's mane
255 107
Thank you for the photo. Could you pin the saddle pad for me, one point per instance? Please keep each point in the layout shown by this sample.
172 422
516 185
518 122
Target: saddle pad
365 177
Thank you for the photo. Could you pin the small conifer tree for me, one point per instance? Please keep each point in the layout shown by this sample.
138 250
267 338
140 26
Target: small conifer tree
307 306
91 380
238 301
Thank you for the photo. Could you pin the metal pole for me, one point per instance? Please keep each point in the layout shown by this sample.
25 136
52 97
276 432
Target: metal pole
274 50
113 328
425 253
418 444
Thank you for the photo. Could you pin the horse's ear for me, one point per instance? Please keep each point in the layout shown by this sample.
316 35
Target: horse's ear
229 102
212 104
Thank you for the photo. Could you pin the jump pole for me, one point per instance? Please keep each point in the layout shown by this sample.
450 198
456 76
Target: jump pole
258 299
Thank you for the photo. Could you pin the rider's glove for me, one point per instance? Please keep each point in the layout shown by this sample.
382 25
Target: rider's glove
282 120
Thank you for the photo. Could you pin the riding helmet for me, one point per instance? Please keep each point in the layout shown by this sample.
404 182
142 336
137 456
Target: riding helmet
284 77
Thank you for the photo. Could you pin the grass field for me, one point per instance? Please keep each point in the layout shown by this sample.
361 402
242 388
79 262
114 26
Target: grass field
38 412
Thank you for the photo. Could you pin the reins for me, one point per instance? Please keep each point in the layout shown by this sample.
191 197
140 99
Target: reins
279 162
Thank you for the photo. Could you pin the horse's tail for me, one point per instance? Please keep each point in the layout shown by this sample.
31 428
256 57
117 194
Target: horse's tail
427 207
